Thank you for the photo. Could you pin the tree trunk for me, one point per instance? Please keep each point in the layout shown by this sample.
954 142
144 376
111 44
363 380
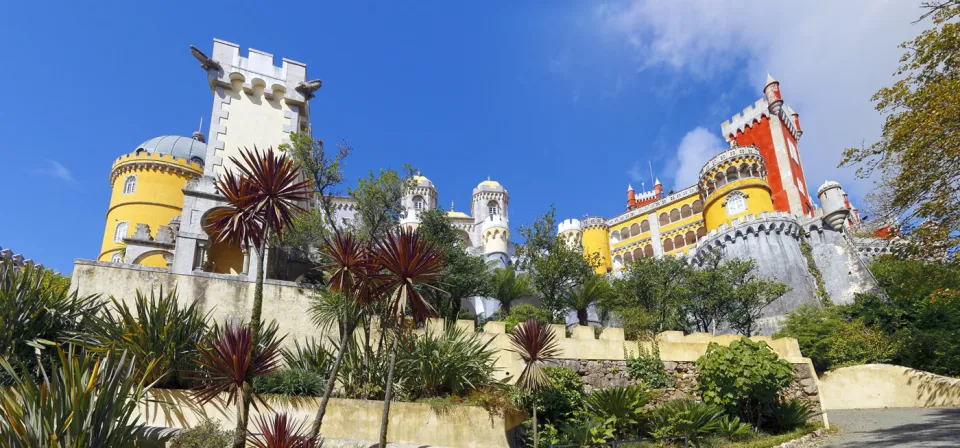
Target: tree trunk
243 415
366 360
258 291
331 380
385 417
536 443
582 317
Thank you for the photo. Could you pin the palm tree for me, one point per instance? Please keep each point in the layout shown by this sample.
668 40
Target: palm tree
410 262
535 343
508 287
263 199
351 278
281 431
232 358
588 293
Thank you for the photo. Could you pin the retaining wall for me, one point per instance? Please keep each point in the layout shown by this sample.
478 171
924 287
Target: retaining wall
875 386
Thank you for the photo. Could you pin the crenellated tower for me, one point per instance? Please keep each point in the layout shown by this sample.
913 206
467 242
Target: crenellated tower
596 240
491 205
773 127
421 196
732 185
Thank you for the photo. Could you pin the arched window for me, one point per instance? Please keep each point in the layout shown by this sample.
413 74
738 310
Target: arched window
732 174
701 232
493 208
678 241
130 184
690 238
634 230
648 251
624 233
674 215
637 254
668 245
418 202
685 211
736 202
698 206
645 226
116 258
120 233
664 219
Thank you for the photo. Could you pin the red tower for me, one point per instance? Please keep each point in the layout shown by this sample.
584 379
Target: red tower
774 128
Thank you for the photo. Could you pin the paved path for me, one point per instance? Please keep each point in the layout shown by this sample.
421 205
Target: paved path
899 427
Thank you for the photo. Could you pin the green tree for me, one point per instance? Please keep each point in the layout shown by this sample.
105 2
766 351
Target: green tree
535 343
555 266
379 202
710 290
815 330
326 171
657 287
749 300
591 291
922 119
508 286
464 275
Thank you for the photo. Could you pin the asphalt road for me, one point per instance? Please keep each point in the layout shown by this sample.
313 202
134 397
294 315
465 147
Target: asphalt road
897 427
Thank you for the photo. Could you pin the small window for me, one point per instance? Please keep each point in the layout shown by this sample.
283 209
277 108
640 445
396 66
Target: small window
493 208
793 151
736 203
120 233
197 160
130 185
116 258
418 203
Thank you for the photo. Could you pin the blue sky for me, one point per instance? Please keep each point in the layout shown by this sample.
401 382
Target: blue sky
564 104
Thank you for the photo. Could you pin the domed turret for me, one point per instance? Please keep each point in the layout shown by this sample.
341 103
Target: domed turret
772 92
834 204
570 231
421 196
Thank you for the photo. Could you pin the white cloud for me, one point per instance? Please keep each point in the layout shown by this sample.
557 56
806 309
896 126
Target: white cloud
695 149
57 170
829 57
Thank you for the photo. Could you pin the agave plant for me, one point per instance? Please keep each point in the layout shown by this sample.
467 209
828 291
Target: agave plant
686 417
36 310
159 330
83 401
794 414
281 431
622 406
410 262
508 286
535 343
732 428
443 363
232 358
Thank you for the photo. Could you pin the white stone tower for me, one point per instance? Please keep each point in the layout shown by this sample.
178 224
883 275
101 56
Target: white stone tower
834 204
491 217
570 231
423 196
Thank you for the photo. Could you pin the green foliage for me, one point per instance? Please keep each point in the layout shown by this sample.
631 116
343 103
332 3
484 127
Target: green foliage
290 382
685 417
793 414
920 111
83 401
553 264
452 361
657 287
745 378
464 275
815 330
647 366
525 312
856 343
560 400
593 290
732 428
310 356
620 407
584 432
158 330
379 201
326 171
207 434
36 310
807 252
508 286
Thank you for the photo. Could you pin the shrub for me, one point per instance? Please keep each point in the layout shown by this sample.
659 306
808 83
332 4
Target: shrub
620 407
495 399
85 401
35 309
560 400
158 330
525 312
815 330
855 344
452 361
685 418
793 414
745 378
310 356
291 382
647 366
732 428
207 434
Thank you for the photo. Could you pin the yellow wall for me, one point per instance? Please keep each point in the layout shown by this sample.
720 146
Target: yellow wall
157 199
225 258
153 259
758 200
597 240
878 386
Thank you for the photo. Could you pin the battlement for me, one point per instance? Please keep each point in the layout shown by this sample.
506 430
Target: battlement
568 225
739 152
146 160
762 224
754 114
257 71
594 222
17 259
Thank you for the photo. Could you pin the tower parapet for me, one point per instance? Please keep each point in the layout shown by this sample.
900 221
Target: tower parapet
495 235
732 185
834 204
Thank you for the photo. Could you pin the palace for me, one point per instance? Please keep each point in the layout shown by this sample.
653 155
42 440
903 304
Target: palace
750 201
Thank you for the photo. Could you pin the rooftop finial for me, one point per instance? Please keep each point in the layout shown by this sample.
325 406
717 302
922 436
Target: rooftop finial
451 206
198 134
770 79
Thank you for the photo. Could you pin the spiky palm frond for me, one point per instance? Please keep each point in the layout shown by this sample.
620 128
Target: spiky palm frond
510 286
351 268
535 343
231 357
281 431
410 262
275 187
239 223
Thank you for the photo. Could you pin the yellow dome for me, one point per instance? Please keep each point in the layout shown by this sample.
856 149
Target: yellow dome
457 215
489 183
420 178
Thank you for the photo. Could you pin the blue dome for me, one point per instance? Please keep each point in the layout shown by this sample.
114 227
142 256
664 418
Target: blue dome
183 147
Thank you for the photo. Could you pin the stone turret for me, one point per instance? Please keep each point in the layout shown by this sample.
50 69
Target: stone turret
834 204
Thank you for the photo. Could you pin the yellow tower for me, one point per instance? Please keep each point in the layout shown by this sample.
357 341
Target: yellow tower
596 240
733 185
148 189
